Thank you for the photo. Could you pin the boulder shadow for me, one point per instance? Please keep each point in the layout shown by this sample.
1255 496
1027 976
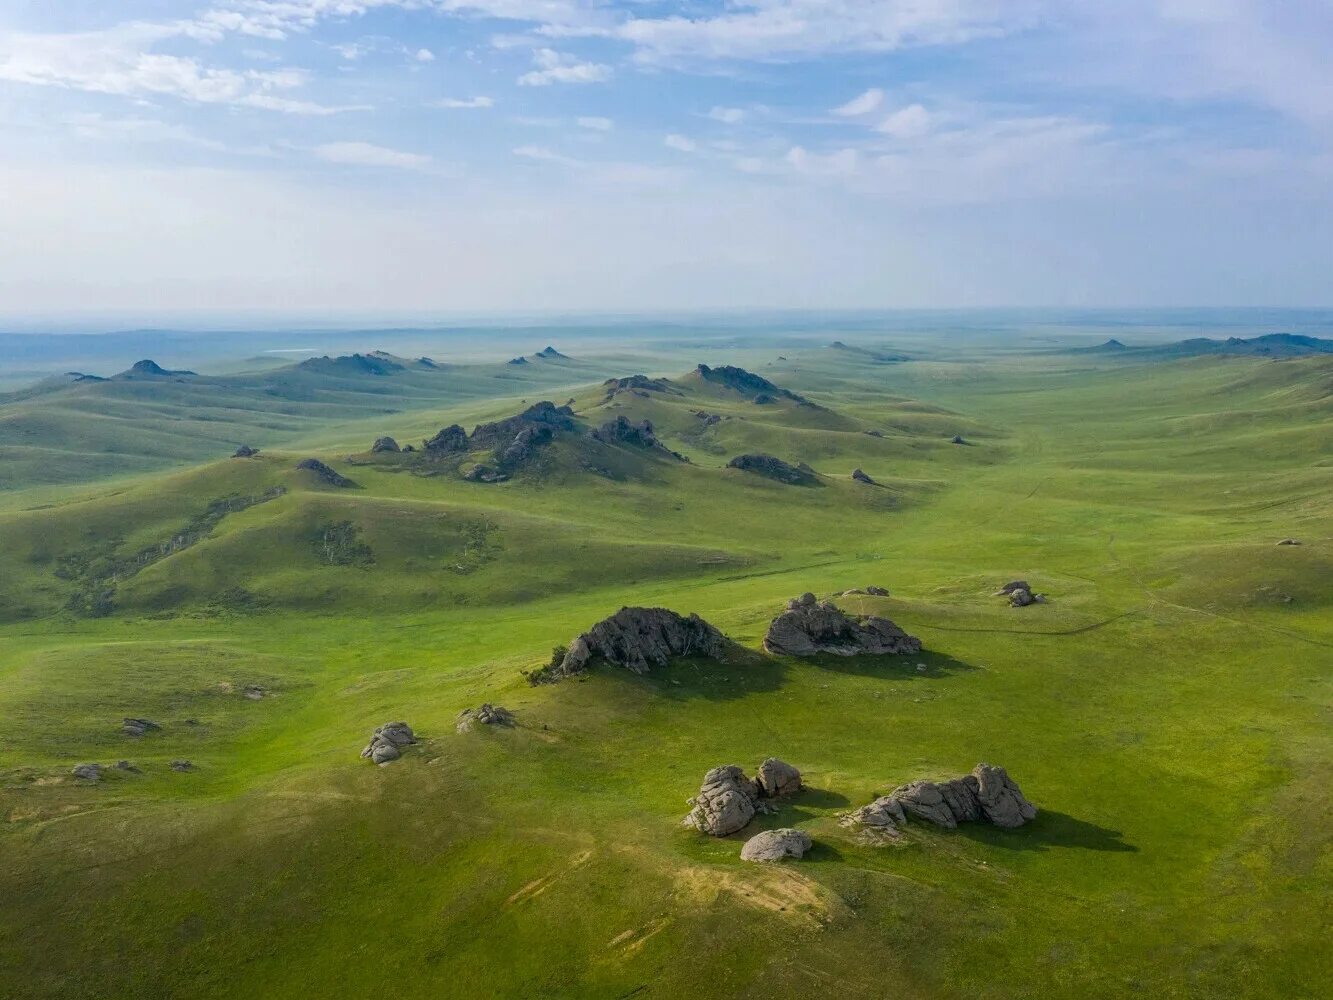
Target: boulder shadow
742 673
889 667
1050 830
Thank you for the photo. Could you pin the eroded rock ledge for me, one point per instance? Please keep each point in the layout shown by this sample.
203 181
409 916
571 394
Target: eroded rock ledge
809 627
636 639
988 794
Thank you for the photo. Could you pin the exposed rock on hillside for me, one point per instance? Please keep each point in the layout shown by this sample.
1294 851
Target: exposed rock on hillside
1289 541
484 474
387 742
139 727
861 477
988 793
808 627
728 800
957 439
640 382
183 766
638 639
352 365
450 439
773 468
385 444
1020 594
487 715
245 451
776 845
636 434
866 592
87 772
323 473
748 384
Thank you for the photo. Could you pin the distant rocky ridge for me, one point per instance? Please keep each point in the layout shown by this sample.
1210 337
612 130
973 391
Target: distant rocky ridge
775 468
324 473
147 369
1269 345
749 384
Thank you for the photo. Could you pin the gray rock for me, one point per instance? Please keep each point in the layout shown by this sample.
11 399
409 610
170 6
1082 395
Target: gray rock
725 803
88 772
385 444
387 741
181 765
777 778
451 439
254 692
324 474
1000 799
487 715
774 468
245 451
877 592
139 727
776 845
883 816
639 639
1289 541
1013 585
926 800
808 627
1020 598
861 477
127 767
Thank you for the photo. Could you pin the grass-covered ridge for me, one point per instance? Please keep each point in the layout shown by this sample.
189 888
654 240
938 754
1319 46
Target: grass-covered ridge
1168 710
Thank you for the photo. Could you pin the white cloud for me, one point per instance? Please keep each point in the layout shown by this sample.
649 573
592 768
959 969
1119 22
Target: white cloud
364 154
424 56
861 105
560 67
464 102
595 123
681 143
906 123
843 162
728 115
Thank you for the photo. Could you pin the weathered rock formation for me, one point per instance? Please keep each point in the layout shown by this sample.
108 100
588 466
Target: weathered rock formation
1020 594
622 430
728 800
776 845
957 439
808 627
639 383
451 439
245 451
138 727
639 639
866 592
387 741
988 793
183 766
484 474
773 468
324 474
861 477
748 384
1289 541
87 772
385 444
487 715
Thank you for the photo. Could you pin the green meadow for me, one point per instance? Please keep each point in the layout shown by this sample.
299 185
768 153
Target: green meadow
1168 709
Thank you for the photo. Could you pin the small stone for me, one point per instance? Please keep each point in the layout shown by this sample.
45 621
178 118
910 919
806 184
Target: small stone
254 692
1289 541
138 727
126 766
181 765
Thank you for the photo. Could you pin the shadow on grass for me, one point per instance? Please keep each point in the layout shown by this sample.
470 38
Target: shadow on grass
896 668
1049 830
744 672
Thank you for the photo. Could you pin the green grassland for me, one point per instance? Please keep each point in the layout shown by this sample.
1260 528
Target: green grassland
1168 710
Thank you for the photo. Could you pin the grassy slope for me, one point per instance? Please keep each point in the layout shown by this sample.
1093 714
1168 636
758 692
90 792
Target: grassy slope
1168 710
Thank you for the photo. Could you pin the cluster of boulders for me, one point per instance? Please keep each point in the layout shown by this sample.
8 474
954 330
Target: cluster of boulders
324 474
640 385
728 800
988 793
1020 594
638 639
775 468
92 773
387 742
511 441
809 627
487 715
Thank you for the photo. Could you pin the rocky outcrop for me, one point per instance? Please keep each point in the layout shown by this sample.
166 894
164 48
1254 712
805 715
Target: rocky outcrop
245 451
149 369
861 477
777 778
385 444
709 419
777 845
87 772
1289 541
957 439
728 800
622 430
748 384
451 439
181 766
866 592
808 627
515 439
1020 594
484 474
487 715
988 794
773 468
139 727
639 639
324 474
387 742
636 383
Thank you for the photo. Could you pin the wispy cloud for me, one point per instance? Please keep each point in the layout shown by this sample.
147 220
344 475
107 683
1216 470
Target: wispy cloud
365 154
559 67
463 102
680 143
595 123
860 105
729 116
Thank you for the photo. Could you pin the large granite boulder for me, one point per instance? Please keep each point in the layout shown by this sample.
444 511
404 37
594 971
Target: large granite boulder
808 627
385 444
639 639
988 793
776 845
725 803
449 440
777 778
387 742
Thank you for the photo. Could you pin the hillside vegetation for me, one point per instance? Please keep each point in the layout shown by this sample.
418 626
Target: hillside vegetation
1167 709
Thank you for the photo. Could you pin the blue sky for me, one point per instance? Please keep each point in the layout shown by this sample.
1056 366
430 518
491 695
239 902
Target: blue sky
415 156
